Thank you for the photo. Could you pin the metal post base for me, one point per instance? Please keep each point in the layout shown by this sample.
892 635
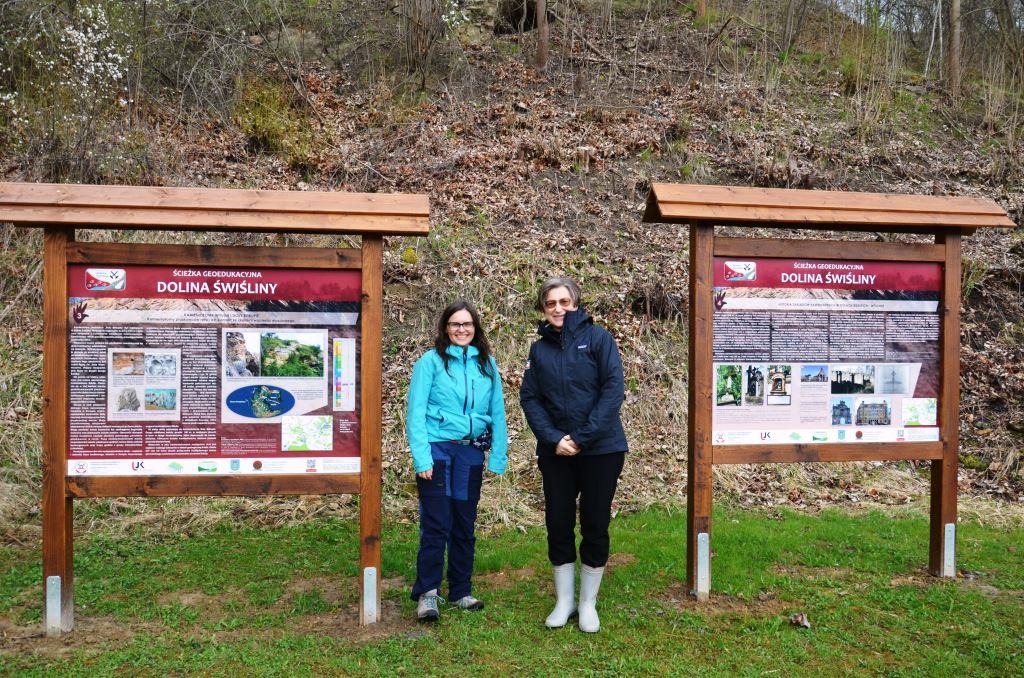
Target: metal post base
949 551
58 615
703 591
369 596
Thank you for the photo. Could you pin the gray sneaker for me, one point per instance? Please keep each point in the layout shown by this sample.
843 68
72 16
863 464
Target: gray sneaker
427 610
469 603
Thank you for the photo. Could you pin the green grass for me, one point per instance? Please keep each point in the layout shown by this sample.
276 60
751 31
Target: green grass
281 602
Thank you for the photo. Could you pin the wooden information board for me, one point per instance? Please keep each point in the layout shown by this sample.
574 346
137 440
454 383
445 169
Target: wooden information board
185 370
822 350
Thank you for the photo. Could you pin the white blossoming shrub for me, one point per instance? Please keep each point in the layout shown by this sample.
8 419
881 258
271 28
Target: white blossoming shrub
89 57
63 80
453 13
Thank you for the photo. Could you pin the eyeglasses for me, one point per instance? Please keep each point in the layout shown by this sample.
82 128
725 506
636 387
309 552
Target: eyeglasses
460 326
564 303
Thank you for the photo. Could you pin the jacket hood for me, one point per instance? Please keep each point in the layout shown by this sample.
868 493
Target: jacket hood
574 320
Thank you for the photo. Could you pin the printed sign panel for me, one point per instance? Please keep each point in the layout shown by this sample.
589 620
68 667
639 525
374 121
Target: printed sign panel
824 351
212 371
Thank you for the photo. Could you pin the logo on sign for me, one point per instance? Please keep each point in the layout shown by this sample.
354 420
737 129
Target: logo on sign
740 271
236 464
311 466
138 466
842 434
105 279
766 435
257 465
81 467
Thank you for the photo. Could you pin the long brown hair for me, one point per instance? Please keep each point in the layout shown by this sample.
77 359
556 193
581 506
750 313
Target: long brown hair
442 341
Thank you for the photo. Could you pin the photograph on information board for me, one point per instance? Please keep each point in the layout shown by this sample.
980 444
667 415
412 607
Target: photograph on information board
824 351
212 370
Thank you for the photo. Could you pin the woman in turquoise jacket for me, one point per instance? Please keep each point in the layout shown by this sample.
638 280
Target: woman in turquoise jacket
456 415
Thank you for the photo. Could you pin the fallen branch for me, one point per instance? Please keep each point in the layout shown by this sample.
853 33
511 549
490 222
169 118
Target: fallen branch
725 25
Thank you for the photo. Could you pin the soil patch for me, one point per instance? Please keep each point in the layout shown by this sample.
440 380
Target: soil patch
918 578
620 560
976 581
100 633
972 580
504 579
393 583
192 599
678 597
89 632
346 625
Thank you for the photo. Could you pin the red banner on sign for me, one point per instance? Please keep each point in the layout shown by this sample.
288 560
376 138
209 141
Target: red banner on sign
827 274
181 282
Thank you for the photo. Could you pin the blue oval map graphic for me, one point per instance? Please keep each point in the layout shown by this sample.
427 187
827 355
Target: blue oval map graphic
261 401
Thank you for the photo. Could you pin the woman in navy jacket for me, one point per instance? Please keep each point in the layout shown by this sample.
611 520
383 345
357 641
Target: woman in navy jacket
571 393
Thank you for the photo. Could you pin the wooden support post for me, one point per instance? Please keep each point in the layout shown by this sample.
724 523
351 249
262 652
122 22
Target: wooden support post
58 506
370 431
942 547
698 483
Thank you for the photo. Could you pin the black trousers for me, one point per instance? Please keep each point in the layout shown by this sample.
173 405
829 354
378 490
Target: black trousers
593 480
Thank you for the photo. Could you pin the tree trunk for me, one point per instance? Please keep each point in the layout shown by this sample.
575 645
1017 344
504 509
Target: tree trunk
931 44
953 69
1010 35
542 36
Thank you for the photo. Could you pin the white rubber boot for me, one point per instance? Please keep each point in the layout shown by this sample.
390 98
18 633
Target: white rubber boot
565 596
590 584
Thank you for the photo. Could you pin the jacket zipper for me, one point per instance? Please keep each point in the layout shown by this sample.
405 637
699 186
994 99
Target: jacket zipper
561 358
465 386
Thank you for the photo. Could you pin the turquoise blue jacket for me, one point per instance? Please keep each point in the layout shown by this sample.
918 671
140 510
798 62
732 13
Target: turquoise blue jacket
455 405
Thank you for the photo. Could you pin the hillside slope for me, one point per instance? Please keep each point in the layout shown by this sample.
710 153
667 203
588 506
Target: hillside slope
533 175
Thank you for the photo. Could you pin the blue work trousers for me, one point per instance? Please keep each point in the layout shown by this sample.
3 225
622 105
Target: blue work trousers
448 504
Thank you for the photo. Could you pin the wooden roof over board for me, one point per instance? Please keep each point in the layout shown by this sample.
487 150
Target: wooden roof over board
833 210
214 209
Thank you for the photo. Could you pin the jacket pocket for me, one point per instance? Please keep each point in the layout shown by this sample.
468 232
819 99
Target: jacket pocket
480 394
583 373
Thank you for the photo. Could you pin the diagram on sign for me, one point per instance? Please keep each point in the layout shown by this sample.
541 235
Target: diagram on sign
268 373
143 385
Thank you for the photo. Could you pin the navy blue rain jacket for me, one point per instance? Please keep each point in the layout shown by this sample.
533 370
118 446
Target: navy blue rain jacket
573 385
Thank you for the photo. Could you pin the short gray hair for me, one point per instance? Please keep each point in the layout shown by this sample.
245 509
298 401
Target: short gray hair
552 283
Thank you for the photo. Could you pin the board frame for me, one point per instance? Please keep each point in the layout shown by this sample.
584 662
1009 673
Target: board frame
61 208
943 219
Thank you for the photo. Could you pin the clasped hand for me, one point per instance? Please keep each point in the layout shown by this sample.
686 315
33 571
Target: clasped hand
567 447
